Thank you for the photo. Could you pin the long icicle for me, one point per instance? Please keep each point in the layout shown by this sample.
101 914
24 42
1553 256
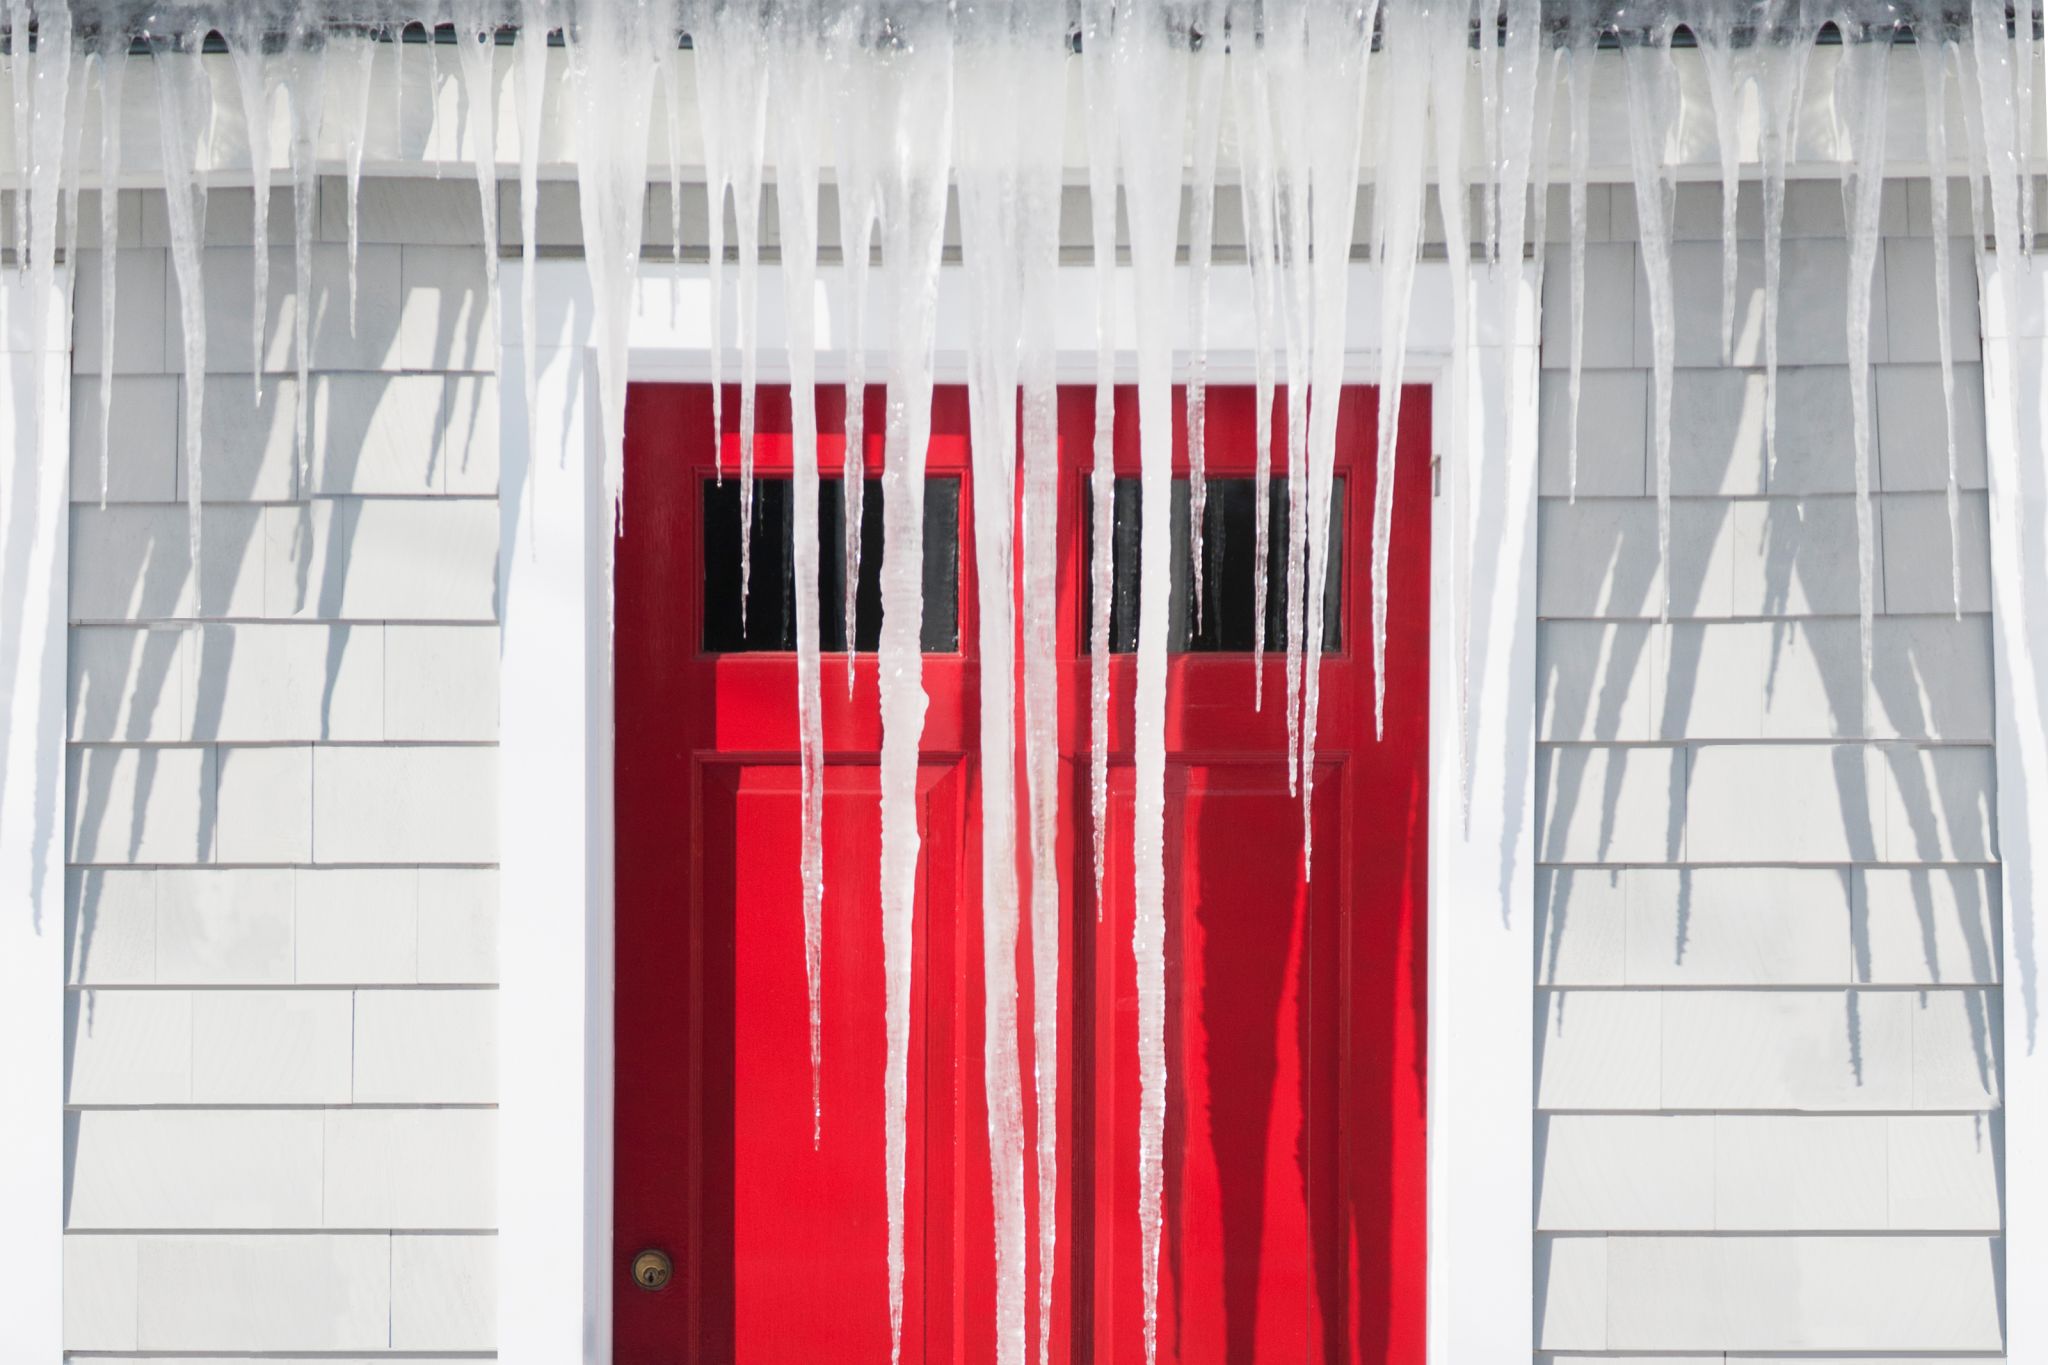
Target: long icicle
534 23
1581 59
914 81
1288 82
1097 83
612 56
113 82
476 34
856 186
1528 82
1713 29
361 54
1781 83
732 77
305 70
1207 90
1860 92
50 118
183 109
245 47
1042 84
708 63
985 104
1933 48
1151 79
795 71
1252 109
1397 241
1651 83
1339 36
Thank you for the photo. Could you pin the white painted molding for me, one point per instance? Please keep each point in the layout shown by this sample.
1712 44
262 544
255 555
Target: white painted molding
555 998
555 801
2015 309
35 407
1482 871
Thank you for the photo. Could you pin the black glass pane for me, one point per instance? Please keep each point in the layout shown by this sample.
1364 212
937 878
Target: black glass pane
1229 585
771 587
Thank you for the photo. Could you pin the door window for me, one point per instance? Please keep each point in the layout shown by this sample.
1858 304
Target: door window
1229 583
769 623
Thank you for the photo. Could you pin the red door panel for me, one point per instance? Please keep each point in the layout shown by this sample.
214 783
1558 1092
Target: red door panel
1294 1179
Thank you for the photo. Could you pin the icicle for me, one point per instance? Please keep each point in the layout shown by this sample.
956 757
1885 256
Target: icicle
50 118
1581 58
1523 136
672 111
20 17
1447 105
1527 84
361 55
1713 29
1208 113
708 61
1860 93
2024 113
1252 109
1486 37
113 80
305 71
1098 88
1038 254
1933 47
183 108
856 183
476 40
1652 100
1011 56
800 109
612 57
732 82
990 138
1151 82
1339 36
245 46
1397 240
1286 54
1781 84
534 24
914 88
73 140
1993 61
1549 63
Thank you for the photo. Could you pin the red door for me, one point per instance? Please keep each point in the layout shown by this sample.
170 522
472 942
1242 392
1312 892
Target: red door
1294 1154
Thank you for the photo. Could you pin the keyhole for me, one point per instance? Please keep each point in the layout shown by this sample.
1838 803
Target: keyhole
651 1269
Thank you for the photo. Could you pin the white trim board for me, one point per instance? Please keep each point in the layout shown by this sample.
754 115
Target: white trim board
554 1150
2016 461
35 490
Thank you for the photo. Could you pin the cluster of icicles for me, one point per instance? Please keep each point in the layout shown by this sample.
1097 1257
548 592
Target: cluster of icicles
922 95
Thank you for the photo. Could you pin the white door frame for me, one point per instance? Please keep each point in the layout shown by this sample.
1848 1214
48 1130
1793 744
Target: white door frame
35 528
555 938
2016 465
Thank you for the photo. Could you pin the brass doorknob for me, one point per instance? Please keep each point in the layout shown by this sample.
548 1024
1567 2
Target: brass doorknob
652 1269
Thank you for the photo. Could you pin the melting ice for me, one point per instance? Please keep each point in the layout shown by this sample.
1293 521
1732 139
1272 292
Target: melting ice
897 103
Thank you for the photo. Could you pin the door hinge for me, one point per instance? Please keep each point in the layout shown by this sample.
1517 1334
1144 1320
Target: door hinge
1436 475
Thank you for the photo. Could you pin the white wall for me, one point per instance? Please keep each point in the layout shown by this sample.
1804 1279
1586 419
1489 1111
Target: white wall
1768 1064
282 805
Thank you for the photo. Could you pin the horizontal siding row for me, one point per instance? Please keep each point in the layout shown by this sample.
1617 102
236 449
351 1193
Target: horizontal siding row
1768 904
284 1294
281 1033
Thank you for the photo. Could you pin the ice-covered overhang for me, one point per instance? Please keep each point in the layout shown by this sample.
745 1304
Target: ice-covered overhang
420 124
